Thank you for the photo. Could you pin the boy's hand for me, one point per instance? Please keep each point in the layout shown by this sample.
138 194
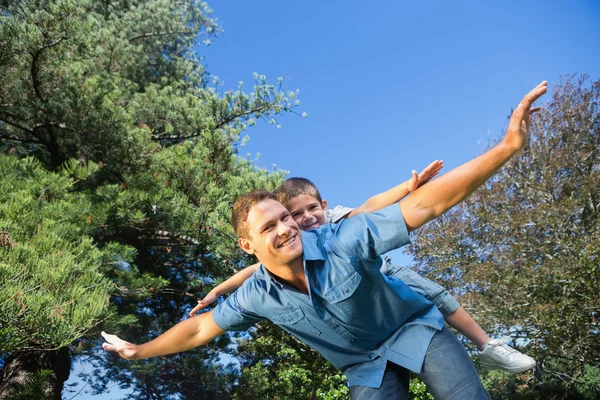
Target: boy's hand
125 349
209 299
429 172
518 127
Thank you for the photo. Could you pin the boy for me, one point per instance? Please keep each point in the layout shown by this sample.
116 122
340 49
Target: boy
303 200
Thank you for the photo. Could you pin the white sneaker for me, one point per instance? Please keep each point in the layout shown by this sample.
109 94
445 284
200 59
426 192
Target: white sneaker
497 355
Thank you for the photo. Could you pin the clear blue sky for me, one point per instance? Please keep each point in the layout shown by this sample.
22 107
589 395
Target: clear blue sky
391 85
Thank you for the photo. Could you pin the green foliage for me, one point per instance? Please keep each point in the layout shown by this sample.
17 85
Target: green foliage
418 391
522 252
275 364
34 387
52 289
125 212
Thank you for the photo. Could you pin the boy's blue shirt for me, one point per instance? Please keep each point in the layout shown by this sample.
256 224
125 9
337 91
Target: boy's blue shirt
353 315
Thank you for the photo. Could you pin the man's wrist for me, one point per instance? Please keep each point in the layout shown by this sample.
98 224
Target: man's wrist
136 352
510 146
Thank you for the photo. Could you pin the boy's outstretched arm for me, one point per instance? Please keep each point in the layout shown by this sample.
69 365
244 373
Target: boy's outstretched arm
397 193
225 287
184 336
432 200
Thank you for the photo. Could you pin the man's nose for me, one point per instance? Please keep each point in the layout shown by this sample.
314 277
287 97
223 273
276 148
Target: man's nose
283 229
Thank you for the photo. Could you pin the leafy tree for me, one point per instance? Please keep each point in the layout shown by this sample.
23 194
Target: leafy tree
522 252
137 167
275 364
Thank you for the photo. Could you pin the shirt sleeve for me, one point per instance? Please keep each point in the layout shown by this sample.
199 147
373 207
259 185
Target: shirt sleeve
336 214
368 236
234 314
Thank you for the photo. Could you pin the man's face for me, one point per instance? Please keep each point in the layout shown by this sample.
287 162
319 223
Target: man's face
274 237
307 211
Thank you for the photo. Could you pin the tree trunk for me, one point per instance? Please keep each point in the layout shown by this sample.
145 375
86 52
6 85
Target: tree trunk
21 367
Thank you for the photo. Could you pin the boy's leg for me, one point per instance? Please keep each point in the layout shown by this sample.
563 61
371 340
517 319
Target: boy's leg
462 321
394 386
448 372
433 292
493 354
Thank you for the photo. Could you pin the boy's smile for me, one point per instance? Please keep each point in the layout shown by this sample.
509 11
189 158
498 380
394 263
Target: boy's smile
307 211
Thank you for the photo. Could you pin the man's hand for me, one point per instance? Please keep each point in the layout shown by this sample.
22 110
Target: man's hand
125 349
429 172
205 302
518 127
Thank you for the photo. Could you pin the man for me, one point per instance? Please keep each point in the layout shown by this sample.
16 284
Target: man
324 287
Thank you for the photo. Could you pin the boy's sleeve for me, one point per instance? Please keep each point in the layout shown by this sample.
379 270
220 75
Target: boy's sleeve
368 236
235 313
336 214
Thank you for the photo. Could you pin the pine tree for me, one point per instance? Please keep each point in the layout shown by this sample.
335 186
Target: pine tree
132 149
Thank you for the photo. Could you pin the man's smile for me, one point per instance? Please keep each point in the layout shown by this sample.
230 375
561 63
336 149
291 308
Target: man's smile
289 241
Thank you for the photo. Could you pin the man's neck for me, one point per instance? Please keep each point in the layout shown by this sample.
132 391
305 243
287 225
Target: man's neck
291 274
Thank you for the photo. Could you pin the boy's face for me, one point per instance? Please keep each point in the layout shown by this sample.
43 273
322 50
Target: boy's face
273 236
307 211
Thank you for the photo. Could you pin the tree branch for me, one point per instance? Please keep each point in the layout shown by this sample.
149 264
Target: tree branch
154 34
35 68
218 126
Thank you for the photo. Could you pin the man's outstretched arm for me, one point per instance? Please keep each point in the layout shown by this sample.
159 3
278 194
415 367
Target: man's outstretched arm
438 196
184 336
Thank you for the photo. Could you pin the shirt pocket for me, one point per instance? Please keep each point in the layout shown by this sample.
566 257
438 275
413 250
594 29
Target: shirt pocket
294 320
341 294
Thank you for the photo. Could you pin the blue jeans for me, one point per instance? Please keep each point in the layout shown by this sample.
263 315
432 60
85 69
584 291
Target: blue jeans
447 371
433 292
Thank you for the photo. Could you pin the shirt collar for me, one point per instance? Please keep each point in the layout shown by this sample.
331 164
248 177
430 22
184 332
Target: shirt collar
268 278
310 246
310 252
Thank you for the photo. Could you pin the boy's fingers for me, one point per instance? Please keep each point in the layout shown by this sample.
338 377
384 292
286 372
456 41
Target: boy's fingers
198 307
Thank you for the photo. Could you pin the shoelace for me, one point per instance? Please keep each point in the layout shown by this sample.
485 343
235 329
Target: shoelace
499 345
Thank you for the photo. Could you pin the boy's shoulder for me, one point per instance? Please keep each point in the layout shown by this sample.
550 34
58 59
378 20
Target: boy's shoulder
336 214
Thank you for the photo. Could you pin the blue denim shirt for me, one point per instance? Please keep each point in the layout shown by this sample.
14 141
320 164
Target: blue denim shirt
357 318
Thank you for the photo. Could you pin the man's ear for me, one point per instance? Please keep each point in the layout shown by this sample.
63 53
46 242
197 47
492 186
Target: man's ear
324 204
246 245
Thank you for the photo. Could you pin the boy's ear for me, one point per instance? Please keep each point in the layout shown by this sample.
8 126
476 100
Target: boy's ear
246 245
324 204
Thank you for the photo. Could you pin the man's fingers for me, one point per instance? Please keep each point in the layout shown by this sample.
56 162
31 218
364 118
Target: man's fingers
533 95
108 347
534 110
109 338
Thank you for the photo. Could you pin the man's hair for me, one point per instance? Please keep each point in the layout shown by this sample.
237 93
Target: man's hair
294 187
242 207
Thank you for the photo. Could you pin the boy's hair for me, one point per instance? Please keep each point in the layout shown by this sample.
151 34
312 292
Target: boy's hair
294 187
242 207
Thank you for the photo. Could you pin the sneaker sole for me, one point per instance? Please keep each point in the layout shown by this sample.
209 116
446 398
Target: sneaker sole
489 367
